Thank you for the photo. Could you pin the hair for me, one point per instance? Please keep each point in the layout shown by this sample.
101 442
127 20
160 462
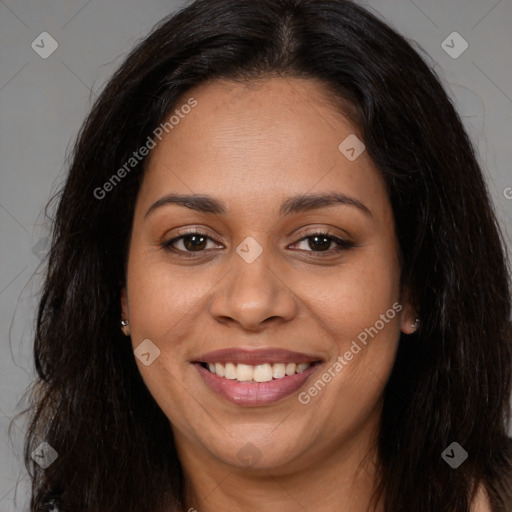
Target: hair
451 381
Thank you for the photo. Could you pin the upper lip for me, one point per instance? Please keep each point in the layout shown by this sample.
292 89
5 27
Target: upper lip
256 356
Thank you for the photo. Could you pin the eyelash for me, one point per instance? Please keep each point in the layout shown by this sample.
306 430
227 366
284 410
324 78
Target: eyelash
342 245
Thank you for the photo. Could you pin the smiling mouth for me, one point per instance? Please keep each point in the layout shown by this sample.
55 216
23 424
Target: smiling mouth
257 373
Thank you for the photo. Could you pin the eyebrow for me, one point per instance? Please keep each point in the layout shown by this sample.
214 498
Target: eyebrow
291 205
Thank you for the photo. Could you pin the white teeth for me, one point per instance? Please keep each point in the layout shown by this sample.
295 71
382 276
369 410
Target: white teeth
219 369
262 373
244 372
230 372
290 368
278 370
258 373
300 367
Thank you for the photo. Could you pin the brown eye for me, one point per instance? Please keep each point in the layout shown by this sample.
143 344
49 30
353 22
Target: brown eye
319 242
322 242
188 243
194 242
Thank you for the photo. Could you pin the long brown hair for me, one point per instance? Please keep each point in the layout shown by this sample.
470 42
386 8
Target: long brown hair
452 379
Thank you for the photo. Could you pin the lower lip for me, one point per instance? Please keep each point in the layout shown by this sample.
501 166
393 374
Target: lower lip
255 393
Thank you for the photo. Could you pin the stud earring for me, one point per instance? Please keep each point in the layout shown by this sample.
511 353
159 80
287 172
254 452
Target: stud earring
416 323
124 327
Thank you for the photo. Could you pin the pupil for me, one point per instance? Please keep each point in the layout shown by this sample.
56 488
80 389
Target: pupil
194 239
321 246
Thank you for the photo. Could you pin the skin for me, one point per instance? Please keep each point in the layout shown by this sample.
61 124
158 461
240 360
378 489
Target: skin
252 145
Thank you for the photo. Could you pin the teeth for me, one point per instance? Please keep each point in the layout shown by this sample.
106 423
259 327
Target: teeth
262 373
278 370
219 369
230 372
290 368
259 373
244 372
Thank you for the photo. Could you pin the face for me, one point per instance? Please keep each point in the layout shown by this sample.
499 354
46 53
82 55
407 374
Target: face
271 317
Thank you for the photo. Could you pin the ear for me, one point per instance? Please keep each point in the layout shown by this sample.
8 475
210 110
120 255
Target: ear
125 314
409 318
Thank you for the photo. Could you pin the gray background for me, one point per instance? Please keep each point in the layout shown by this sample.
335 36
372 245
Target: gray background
44 101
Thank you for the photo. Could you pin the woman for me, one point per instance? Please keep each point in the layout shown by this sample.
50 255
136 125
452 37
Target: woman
276 280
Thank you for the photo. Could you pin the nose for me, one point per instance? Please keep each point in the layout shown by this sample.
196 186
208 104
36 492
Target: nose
253 295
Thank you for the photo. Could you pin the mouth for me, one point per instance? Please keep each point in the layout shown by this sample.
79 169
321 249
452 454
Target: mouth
257 373
256 377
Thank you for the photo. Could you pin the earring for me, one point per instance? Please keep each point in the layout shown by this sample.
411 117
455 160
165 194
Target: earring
416 323
124 327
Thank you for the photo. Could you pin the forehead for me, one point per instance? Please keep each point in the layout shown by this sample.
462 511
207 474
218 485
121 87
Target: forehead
260 139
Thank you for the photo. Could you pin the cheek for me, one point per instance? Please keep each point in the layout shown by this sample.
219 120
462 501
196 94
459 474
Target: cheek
366 325
164 298
354 297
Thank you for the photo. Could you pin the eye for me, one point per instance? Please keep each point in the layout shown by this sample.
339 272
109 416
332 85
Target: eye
196 242
322 243
192 242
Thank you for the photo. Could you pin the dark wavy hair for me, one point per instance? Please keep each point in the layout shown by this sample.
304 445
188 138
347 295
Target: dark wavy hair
451 380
